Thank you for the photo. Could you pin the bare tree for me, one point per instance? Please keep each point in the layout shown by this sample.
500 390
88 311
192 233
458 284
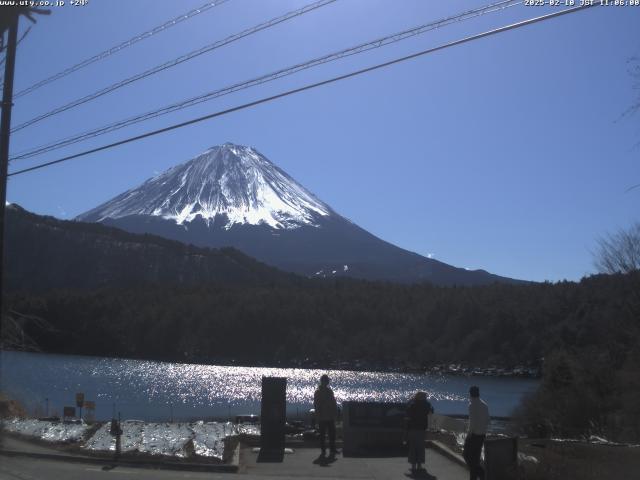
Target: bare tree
619 252
634 71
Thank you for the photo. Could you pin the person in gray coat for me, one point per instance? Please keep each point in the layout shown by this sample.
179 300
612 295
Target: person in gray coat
324 402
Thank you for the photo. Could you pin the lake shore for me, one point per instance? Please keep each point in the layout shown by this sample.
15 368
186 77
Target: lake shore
154 391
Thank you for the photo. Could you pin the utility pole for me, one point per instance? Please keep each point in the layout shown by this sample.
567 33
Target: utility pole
5 129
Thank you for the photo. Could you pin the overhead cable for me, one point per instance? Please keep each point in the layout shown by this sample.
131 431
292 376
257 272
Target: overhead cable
174 62
110 51
307 87
377 43
3 59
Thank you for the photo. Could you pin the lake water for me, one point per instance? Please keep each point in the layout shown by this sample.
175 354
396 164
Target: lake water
157 391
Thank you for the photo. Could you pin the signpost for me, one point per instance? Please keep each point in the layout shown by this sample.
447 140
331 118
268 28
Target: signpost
80 402
90 407
68 412
116 431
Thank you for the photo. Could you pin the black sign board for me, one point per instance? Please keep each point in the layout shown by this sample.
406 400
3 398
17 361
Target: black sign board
79 400
69 412
373 428
273 418
376 414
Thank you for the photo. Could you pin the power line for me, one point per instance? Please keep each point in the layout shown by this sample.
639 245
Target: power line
377 43
106 53
2 60
177 61
24 34
310 86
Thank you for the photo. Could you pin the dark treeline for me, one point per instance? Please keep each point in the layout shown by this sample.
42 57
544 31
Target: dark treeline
588 333
342 320
346 320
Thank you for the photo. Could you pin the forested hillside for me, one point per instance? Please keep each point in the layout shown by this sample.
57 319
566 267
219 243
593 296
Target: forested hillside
44 253
384 325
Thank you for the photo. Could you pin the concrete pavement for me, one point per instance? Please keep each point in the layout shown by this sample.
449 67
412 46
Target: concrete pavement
305 463
302 464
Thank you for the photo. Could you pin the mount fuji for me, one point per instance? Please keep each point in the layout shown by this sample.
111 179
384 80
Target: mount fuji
232 195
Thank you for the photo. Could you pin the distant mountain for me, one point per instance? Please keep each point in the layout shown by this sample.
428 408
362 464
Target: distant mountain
44 253
231 195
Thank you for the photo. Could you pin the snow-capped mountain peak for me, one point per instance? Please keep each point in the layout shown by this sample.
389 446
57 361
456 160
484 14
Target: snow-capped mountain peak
232 196
228 182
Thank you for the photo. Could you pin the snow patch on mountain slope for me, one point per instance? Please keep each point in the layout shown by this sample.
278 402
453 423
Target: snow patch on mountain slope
228 181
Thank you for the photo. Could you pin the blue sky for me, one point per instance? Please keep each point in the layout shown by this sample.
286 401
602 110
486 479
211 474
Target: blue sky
510 153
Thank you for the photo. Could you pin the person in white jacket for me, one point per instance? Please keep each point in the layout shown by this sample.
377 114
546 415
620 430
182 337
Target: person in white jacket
478 424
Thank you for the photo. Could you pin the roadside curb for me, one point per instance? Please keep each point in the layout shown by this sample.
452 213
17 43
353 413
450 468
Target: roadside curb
198 467
442 449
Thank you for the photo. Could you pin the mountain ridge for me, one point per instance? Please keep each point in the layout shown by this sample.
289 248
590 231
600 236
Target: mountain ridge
232 195
44 253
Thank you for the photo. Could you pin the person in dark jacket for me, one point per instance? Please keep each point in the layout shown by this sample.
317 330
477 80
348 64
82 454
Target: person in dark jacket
324 402
417 421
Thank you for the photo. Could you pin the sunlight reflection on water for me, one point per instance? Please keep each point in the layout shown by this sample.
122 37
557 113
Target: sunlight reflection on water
210 383
155 390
